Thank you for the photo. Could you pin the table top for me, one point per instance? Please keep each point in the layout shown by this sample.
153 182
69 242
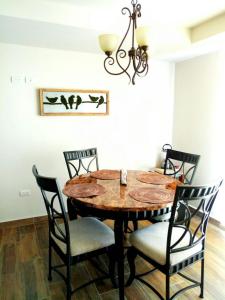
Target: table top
116 197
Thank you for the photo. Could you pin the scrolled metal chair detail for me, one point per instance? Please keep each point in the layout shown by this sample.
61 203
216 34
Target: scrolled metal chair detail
181 165
172 246
81 161
73 241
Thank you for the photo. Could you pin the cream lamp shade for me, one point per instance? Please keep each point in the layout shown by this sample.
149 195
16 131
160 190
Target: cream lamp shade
108 42
142 35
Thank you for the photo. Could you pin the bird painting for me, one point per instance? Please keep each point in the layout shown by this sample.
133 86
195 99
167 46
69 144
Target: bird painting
52 100
94 99
78 102
100 101
63 101
71 101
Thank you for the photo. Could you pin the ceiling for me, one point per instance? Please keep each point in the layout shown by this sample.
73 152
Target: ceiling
76 24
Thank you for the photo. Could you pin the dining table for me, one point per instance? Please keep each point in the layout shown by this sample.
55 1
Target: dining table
101 194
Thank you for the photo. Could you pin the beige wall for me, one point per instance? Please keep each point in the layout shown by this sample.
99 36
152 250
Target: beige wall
140 120
199 117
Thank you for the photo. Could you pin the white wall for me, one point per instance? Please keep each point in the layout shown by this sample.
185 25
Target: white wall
199 117
140 120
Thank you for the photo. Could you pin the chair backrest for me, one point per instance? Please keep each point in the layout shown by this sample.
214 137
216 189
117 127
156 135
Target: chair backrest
181 165
81 161
55 207
197 202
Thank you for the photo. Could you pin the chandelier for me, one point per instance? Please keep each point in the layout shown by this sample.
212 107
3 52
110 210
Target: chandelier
136 58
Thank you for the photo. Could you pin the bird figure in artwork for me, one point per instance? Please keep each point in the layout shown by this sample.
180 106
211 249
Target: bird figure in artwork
71 101
100 101
94 99
78 102
52 100
63 101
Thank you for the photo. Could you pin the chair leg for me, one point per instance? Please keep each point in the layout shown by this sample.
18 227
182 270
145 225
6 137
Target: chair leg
202 278
131 255
167 287
112 263
126 226
68 281
50 261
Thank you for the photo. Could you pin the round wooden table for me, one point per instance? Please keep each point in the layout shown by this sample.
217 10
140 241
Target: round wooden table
116 204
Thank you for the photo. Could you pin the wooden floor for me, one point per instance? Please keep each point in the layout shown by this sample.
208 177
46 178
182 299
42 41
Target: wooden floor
23 270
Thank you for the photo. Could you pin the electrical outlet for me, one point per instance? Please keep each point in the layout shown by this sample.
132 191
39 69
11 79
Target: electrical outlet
24 193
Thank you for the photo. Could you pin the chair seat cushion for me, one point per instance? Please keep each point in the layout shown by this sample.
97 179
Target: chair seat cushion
161 218
86 234
152 241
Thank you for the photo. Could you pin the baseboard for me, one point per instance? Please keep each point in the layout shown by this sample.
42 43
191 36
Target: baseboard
24 222
216 223
211 219
43 219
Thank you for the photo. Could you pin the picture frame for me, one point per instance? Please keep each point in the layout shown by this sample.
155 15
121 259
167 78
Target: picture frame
73 102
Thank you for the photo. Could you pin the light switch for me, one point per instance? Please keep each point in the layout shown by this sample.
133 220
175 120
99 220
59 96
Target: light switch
24 193
17 79
28 79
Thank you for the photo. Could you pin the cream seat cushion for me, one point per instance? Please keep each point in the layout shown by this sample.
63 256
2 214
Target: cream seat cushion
152 241
86 235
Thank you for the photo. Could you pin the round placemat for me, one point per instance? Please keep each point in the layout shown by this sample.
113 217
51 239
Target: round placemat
84 190
81 179
152 195
106 174
154 178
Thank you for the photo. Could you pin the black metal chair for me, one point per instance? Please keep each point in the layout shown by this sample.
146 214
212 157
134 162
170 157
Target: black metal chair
172 246
182 166
76 240
81 161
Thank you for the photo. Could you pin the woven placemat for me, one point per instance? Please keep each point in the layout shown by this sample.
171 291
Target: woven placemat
106 174
152 195
84 190
154 178
82 179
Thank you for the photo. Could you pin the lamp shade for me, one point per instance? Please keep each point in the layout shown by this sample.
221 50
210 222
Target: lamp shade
108 42
142 35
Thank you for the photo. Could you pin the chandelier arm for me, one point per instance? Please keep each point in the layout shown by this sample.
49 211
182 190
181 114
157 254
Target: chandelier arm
143 72
144 64
121 53
142 58
128 28
110 60
136 66
133 77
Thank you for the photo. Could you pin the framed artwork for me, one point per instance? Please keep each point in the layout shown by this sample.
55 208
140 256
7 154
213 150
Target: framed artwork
57 102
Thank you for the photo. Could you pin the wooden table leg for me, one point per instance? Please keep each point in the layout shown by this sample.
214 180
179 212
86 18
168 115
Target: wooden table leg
118 231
